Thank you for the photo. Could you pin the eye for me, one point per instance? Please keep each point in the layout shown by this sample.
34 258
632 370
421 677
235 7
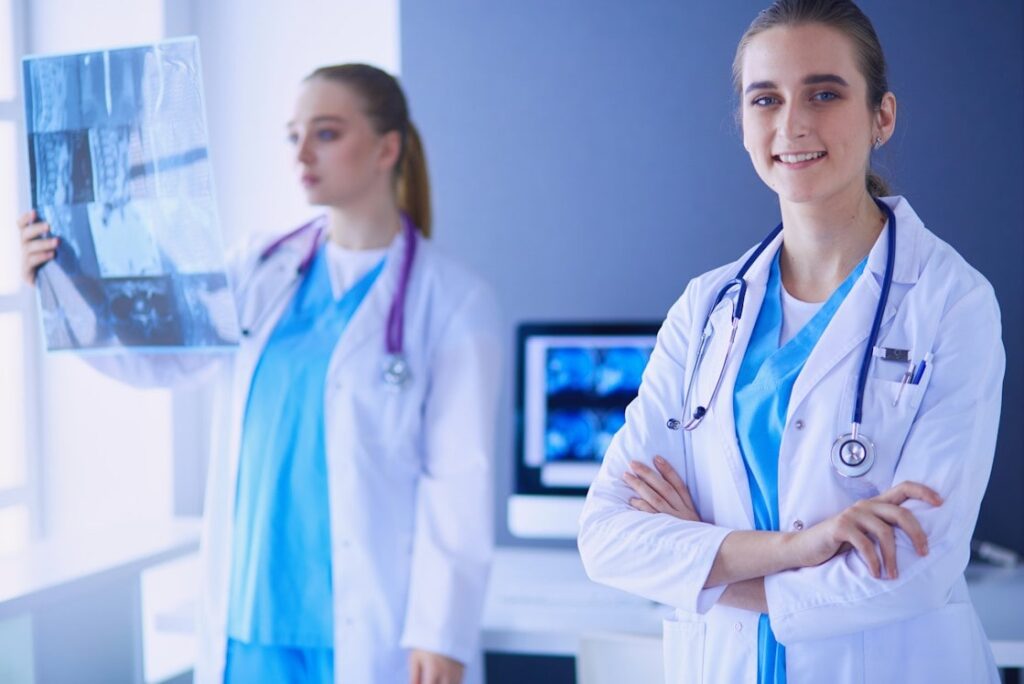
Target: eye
764 100
825 96
293 138
326 134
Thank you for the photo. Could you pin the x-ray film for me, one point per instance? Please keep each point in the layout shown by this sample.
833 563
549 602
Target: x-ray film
119 169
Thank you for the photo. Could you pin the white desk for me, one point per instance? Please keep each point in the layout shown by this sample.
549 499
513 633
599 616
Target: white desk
540 602
70 609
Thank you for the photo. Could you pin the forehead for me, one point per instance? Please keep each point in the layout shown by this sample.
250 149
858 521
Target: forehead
321 97
786 54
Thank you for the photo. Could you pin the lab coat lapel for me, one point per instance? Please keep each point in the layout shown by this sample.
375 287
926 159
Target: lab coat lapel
721 415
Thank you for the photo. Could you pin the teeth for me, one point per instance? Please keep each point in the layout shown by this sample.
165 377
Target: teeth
795 158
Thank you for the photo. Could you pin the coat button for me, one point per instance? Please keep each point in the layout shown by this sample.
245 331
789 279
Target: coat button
672 424
738 626
799 424
798 525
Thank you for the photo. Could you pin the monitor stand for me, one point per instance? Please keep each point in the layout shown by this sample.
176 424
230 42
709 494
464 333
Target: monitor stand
532 516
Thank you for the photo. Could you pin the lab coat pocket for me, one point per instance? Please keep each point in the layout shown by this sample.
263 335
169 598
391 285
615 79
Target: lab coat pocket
683 651
890 407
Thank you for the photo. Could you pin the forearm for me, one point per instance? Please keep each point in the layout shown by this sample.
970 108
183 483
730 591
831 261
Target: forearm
749 554
747 594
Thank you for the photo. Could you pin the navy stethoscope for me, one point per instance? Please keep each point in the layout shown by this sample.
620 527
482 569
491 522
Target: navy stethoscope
853 454
396 372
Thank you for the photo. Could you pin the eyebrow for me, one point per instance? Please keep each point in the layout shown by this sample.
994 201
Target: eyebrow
319 119
813 79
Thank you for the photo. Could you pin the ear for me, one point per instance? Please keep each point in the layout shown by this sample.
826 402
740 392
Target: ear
885 117
390 147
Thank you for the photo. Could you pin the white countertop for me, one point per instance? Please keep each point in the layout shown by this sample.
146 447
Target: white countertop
47 568
540 602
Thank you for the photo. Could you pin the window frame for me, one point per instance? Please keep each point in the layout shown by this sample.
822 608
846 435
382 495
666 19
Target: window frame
23 303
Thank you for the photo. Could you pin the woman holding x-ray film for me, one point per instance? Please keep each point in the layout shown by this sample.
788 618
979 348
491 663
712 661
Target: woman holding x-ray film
347 531
802 470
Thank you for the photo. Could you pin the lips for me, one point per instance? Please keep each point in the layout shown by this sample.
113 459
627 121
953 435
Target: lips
309 180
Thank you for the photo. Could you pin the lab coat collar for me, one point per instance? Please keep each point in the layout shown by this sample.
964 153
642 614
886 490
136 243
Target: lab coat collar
370 317
369 322
909 231
906 270
851 325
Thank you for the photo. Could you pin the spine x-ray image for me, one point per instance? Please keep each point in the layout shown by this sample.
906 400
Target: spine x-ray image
119 169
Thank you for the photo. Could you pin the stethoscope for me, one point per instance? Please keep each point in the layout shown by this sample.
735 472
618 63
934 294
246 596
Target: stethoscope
396 372
853 453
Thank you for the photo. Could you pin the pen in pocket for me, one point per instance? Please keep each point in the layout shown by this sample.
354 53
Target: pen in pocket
918 373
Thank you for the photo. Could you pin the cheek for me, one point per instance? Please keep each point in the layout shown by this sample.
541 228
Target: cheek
351 155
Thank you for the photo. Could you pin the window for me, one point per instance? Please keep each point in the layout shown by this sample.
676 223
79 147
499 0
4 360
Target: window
18 343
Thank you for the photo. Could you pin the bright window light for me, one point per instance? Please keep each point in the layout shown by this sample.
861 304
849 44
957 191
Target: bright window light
7 79
12 398
14 529
9 252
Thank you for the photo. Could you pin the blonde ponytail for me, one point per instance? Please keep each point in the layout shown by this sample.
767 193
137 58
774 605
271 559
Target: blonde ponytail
412 181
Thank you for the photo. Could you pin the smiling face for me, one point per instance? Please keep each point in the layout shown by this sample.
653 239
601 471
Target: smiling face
340 157
807 124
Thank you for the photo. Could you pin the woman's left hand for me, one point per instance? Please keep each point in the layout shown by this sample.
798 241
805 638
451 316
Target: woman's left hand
433 668
660 491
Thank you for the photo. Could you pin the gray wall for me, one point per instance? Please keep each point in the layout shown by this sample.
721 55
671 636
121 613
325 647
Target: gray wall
585 158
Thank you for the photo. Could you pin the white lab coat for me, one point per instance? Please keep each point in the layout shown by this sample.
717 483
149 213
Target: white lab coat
837 622
409 472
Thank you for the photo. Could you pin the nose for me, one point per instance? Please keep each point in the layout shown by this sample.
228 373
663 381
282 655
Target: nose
303 150
794 122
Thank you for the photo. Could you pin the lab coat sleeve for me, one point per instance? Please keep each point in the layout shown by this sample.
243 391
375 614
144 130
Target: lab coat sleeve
950 448
453 539
657 555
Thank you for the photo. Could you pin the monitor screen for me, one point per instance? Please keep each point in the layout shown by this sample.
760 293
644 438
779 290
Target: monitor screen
574 382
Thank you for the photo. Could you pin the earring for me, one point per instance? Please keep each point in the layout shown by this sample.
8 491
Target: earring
878 143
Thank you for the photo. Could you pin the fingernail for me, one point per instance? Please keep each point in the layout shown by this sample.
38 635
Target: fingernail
659 460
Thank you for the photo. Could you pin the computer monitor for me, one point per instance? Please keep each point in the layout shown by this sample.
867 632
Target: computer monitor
573 383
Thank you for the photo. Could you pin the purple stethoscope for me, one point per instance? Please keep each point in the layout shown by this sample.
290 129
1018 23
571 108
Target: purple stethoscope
396 372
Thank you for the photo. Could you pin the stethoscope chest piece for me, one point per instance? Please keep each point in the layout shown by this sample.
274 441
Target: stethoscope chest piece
852 455
396 372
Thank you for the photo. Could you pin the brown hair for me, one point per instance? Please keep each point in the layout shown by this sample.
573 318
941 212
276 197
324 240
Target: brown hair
845 17
387 109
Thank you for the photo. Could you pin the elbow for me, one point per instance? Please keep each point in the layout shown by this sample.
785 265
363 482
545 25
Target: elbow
588 543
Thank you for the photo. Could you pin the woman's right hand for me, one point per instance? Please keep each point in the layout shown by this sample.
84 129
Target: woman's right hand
864 525
34 252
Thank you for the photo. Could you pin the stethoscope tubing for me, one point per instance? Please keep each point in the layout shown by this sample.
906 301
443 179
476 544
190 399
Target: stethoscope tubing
739 283
394 333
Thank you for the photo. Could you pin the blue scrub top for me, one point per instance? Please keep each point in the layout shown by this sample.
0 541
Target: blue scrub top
760 402
280 588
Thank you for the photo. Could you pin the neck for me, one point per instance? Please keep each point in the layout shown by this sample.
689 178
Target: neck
822 243
369 224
